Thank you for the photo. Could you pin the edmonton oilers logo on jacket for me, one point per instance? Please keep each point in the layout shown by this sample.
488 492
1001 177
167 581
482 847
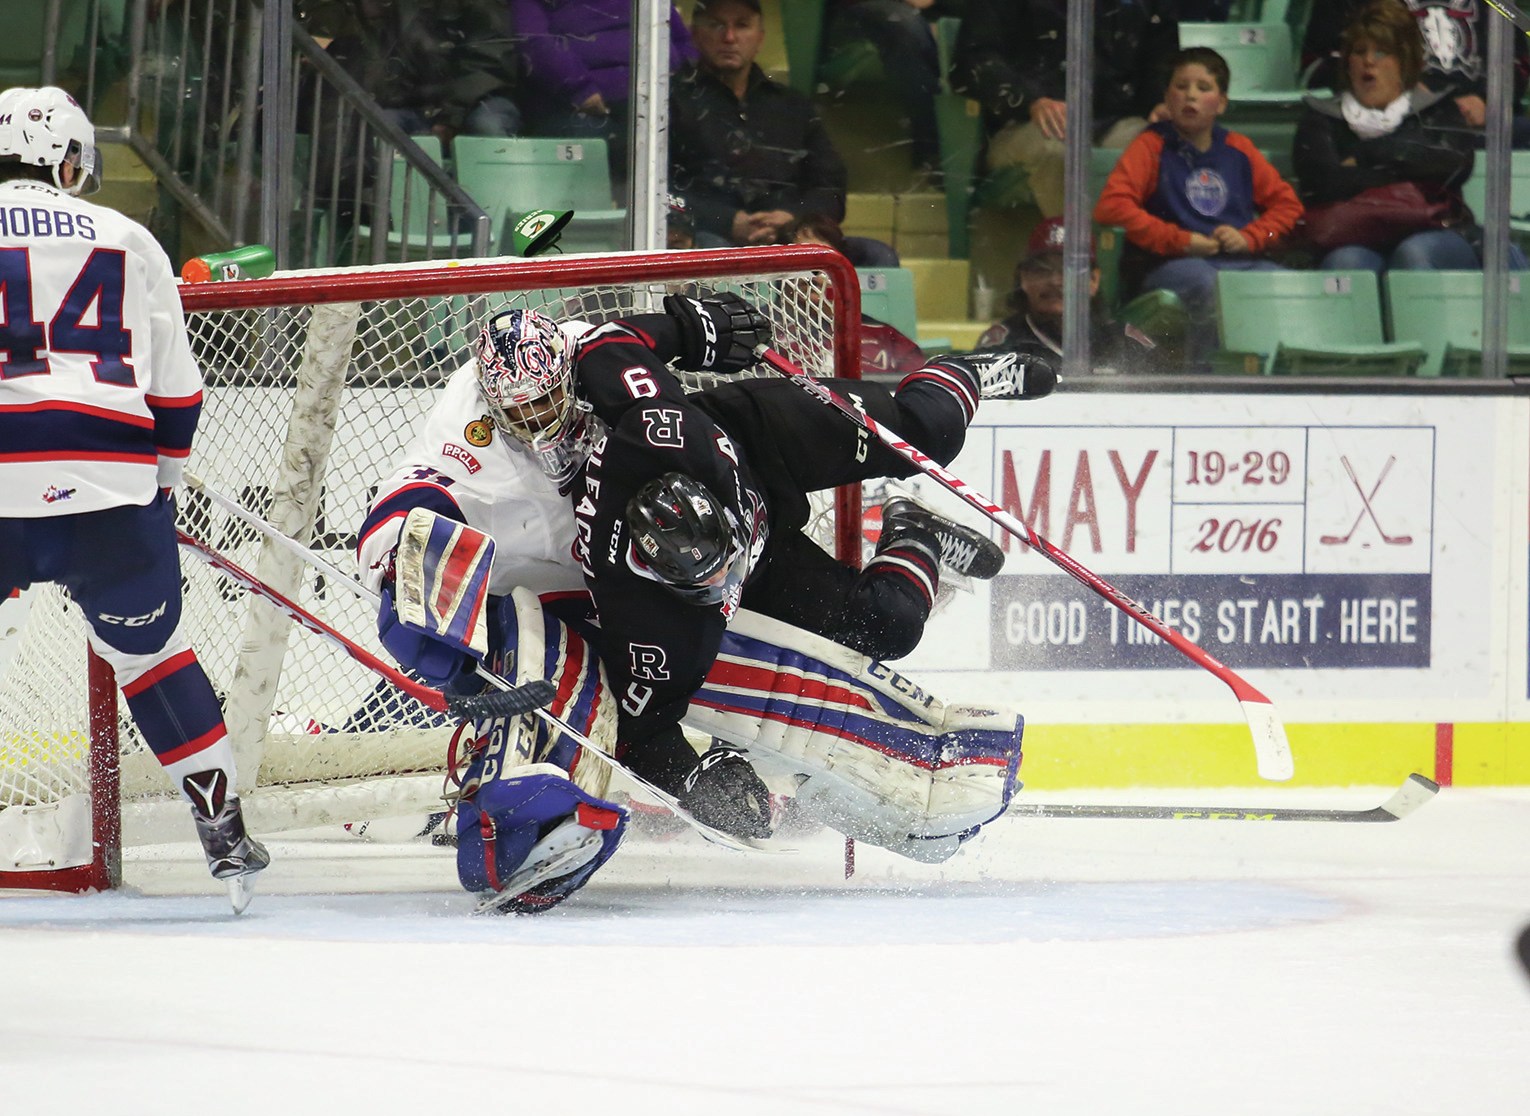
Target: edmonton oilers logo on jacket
1206 190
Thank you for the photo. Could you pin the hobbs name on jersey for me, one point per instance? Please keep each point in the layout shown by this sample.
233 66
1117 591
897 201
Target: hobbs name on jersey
34 221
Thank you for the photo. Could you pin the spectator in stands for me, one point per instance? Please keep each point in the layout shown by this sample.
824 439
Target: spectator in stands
750 155
884 349
1196 199
578 57
1455 44
1385 129
679 226
1011 57
446 68
902 34
1034 324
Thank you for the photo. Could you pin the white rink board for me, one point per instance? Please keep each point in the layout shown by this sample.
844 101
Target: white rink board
1358 558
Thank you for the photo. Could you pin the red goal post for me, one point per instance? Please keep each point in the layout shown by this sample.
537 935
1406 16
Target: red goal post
314 382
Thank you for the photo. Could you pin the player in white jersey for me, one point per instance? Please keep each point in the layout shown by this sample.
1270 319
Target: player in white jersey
99 400
462 466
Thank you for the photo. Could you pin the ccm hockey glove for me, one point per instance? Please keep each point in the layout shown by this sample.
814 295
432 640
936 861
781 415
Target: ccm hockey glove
718 333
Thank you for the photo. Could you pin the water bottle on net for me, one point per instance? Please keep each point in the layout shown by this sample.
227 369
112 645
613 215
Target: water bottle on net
253 261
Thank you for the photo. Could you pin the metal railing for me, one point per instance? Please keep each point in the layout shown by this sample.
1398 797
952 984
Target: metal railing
277 147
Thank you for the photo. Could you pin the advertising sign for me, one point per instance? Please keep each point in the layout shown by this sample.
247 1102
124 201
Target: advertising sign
1281 533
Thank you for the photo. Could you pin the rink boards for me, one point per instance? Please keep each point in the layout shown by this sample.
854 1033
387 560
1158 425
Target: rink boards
1362 559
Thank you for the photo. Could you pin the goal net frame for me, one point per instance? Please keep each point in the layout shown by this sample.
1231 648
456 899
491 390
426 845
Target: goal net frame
66 831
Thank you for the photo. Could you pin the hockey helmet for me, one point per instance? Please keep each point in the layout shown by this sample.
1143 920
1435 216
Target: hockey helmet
527 375
684 537
47 128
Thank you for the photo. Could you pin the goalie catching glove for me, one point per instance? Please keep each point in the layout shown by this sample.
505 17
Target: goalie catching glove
718 333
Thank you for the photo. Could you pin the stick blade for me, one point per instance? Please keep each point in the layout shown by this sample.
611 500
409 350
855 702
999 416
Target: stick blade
1415 791
503 703
1272 750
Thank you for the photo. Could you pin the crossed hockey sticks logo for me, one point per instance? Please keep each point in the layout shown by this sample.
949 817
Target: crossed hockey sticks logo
1366 509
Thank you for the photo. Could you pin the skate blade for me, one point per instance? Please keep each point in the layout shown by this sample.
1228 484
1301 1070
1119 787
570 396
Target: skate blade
241 889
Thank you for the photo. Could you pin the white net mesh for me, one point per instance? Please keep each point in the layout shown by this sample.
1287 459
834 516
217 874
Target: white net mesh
307 403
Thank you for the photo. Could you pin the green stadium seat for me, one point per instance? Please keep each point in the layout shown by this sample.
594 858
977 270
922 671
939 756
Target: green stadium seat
887 294
21 48
1442 310
1474 191
1109 246
1310 322
802 30
419 219
512 176
1259 55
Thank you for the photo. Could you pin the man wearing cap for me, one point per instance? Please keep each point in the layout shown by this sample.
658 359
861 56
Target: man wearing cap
750 155
1035 322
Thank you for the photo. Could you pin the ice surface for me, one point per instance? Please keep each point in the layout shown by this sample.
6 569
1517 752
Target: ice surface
1054 966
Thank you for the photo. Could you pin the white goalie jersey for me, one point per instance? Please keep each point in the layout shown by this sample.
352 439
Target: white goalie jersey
460 465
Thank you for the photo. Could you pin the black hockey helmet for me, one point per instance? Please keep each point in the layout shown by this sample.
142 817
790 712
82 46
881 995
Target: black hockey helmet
683 537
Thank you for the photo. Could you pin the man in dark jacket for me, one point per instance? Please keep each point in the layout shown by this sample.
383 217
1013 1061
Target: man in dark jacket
750 155
1011 57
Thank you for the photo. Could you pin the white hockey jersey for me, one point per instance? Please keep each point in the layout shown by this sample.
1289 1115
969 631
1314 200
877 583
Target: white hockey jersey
460 464
99 392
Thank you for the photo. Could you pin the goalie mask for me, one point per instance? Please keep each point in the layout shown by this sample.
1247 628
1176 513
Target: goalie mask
526 371
685 539
47 128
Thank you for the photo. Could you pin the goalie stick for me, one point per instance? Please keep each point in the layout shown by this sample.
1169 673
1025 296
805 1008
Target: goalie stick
1271 749
504 688
508 701
1415 791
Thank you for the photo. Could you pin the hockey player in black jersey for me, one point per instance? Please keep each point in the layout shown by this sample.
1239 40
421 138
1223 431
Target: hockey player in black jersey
688 507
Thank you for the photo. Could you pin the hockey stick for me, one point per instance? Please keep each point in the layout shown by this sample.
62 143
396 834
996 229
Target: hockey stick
1365 501
1271 749
348 581
1511 13
1340 540
508 702
1415 791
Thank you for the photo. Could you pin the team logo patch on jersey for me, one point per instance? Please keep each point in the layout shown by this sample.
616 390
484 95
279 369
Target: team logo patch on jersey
54 494
1206 190
479 432
462 455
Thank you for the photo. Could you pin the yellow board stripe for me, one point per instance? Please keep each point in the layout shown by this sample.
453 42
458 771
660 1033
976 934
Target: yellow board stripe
1061 757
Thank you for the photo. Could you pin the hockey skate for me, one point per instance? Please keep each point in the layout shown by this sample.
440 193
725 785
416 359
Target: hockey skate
962 549
233 856
1012 375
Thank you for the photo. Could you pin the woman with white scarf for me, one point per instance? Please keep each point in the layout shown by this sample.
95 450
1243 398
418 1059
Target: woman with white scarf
1383 128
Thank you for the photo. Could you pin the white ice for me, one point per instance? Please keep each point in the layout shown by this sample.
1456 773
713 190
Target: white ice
1053 966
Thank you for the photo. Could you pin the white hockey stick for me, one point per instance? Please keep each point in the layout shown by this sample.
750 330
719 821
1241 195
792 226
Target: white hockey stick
348 581
1271 749
1415 791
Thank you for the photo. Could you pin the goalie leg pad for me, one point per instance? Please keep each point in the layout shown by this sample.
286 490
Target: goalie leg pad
533 642
529 840
881 759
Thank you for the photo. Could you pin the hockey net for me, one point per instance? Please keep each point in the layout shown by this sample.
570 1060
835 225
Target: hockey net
314 384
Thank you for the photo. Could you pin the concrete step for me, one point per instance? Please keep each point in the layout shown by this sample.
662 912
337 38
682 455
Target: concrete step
940 287
962 333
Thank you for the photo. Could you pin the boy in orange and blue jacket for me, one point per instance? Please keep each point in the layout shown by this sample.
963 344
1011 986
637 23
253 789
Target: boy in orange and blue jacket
1194 198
